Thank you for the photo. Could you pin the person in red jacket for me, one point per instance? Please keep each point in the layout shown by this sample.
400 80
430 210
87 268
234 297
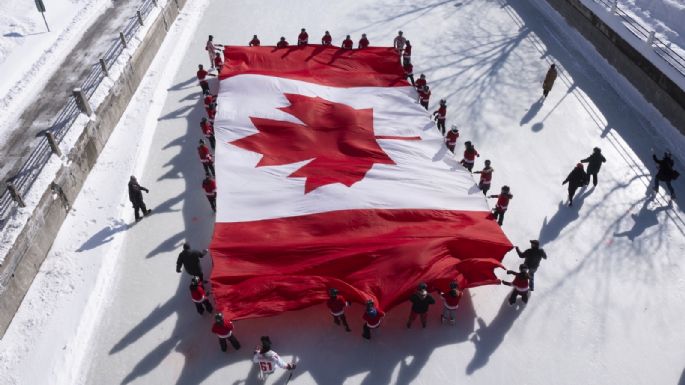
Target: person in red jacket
337 304
206 158
199 297
451 138
254 42
520 284
409 72
347 43
363 42
202 78
406 54
421 82
208 131
302 38
424 97
372 319
470 155
208 99
440 116
502 204
224 330
450 303
327 39
209 185
282 43
218 61
485 177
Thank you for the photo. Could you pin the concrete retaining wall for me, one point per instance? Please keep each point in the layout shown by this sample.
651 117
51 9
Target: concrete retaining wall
32 246
656 87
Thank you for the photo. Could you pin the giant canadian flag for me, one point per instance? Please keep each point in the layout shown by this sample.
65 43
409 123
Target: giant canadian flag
330 174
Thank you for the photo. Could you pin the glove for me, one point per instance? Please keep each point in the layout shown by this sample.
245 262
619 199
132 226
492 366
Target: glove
147 191
178 270
292 366
205 251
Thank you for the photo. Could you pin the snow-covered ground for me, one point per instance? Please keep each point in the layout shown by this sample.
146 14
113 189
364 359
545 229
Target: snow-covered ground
108 308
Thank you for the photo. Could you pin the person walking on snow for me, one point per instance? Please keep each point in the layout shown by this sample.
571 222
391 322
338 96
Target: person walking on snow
549 80
209 185
470 155
202 79
502 204
254 42
399 42
485 177
451 138
223 329
327 39
211 112
337 304
282 43
208 131
531 259
450 303
421 82
211 49
206 158
302 38
363 42
440 115
409 73
575 179
372 319
520 284
594 163
420 301
406 54
199 297
665 173
347 43
190 260
208 99
267 359
424 97
135 195
218 61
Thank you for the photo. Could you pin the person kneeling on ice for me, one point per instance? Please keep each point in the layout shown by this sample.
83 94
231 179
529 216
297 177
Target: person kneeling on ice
135 195
337 304
197 294
420 301
450 302
372 319
267 359
520 284
502 204
224 330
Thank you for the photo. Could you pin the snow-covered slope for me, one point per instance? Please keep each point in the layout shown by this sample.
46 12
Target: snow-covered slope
608 303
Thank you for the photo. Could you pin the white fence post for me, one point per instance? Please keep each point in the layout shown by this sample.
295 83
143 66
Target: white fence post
614 6
650 38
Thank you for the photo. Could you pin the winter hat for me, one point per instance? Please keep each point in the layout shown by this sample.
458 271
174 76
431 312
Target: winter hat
133 178
186 246
202 141
266 343
487 162
195 281
333 292
218 318
535 242
454 285
454 128
454 292
597 149
371 311
505 188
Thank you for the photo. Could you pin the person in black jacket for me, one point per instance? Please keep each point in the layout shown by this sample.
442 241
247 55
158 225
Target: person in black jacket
666 173
190 260
135 195
532 258
420 301
594 163
575 179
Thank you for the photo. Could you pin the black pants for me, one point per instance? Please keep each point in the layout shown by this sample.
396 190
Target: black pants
571 194
201 306
366 333
212 141
137 207
499 215
450 147
469 166
668 186
232 339
212 201
406 60
484 187
515 293
424 104
531 274
341 319
594 178
411 77
441 126
205 87
209 168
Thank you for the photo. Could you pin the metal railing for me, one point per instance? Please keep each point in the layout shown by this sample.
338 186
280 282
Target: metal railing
20 183
662 49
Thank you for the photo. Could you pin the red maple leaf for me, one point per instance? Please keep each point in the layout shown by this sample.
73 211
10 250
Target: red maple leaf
338 139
